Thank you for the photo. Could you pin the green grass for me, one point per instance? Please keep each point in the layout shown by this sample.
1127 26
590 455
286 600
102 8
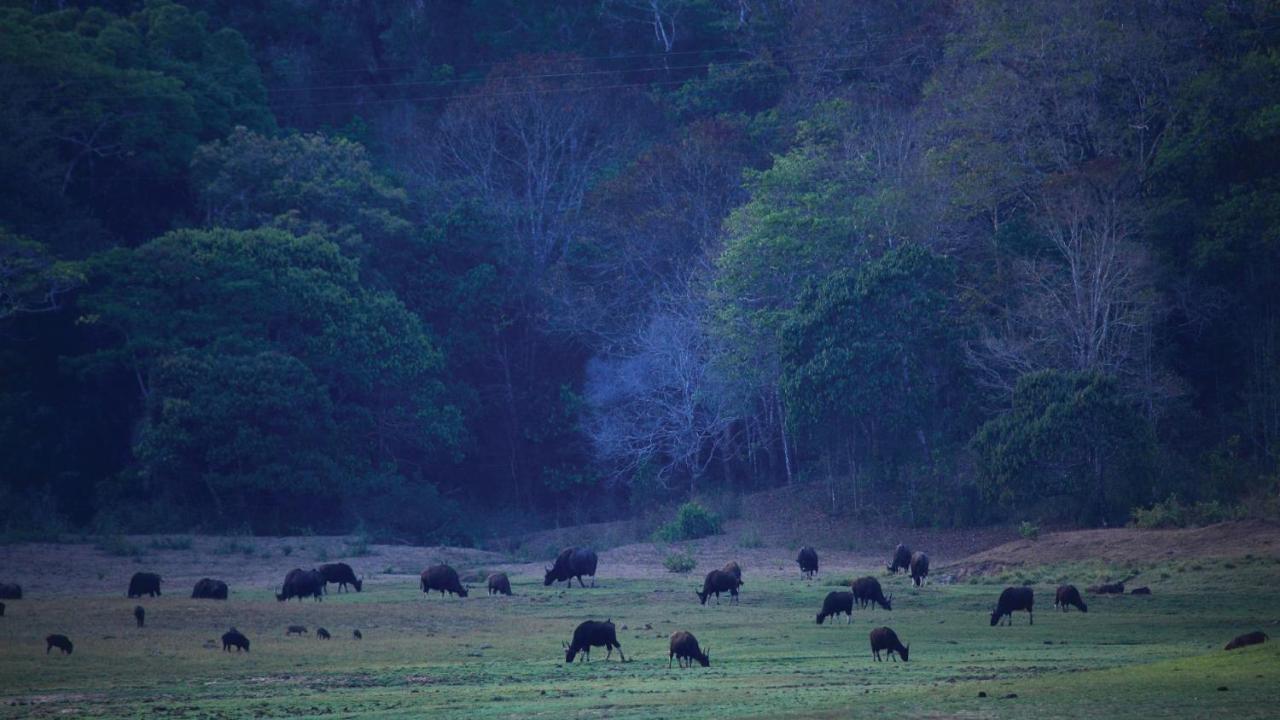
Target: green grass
484 657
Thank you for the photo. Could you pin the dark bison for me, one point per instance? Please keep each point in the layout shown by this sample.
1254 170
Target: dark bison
233 638
591 634
733 569
901 559
499 584
140 615
919 568
684 648
716 582
835 603
866 591
322 634
1254 638
1069 596
1107 589
295 630
209 589
342 574
882 638
301 583
442 578
58 641
357 635
808 561
572 563
1014 598
144 584
10 591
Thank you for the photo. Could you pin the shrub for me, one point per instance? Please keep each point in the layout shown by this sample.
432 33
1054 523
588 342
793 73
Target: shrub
180 542
678 562
231 546
118 545
1029 530
287 550
750 539
1172 513
358 546
692 521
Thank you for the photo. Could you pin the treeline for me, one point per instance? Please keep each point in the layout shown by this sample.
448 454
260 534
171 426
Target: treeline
289 266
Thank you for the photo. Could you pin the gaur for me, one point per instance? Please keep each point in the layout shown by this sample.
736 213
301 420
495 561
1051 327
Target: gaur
442 578
919 568
322 634
734 569
684 648
808 561
1107 589
499 584
589 634
295 630
901 559
570 563
835 603
10 591
1068 595
1256 637
301 583
357 635
342 574
716 582
143 583
58 641
1012 599
234 638
866 590
882 638
140 615
209 589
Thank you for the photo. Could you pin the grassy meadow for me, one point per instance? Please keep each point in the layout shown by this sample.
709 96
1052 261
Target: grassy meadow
483 657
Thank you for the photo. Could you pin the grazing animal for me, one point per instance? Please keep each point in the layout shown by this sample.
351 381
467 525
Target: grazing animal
866 590
1068 595
140 615
301 583
684 648
234 638
882 638
295 630
835 603
919 568
357 635
1107 589
144 584
58 641
808 561
322 634
1140 591
10 591
1013 598
442 578
1256 637
499 584
901 559
342 574
209 589
589 634
734 569
570 563
716 582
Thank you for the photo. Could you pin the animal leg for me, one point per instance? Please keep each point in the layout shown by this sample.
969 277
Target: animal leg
1032 616
624 657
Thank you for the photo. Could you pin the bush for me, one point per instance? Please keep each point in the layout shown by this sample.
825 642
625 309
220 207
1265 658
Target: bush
692 521
231 546
171 543
1029 530
678 562
750 539
1171 513
118 545
358 546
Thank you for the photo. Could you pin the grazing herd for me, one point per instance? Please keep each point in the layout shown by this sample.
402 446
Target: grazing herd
570 563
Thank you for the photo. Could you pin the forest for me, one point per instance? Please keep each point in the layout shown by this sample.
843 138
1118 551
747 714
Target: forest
434 269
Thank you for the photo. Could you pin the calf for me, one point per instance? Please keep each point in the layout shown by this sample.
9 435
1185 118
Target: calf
234 638
10 591
882 638
1068 595
140 615
808 561
1012 599
322 634
58 641
901 559
684 648
716 582
442 578
342 574
835 603
295 630
591 634
919 568
866 590
357 635
144 583
499 584
209 589
1256 637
